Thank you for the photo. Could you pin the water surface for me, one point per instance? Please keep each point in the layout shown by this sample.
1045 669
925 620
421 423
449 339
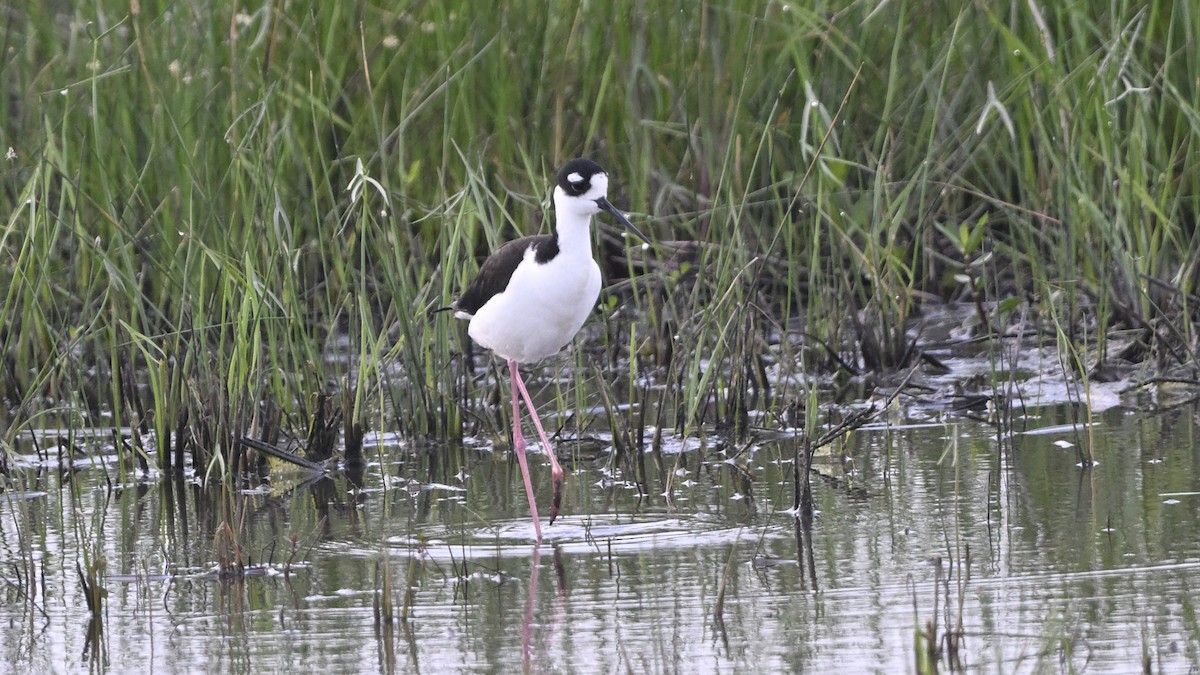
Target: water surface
928 520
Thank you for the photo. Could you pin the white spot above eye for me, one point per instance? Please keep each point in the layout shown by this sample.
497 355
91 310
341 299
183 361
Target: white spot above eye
575 177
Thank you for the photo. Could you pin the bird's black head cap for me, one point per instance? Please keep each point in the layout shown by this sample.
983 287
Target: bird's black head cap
575 178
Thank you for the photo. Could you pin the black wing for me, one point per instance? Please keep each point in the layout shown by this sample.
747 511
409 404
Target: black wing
496 271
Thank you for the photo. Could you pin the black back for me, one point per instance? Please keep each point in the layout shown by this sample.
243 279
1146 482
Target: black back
575 178
496 271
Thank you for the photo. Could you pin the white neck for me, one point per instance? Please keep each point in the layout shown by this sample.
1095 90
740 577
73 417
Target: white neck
574 228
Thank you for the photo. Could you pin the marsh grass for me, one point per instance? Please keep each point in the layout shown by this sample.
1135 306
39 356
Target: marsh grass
215 214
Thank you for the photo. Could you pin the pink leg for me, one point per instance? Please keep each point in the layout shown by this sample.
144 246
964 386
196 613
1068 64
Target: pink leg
519 446
530 601
556 472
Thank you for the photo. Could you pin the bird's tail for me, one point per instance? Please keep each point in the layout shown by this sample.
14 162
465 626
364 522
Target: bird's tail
452 307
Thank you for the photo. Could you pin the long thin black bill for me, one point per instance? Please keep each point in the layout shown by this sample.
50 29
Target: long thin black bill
616 213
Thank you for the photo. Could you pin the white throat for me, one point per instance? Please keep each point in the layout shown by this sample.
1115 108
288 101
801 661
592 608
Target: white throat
573 221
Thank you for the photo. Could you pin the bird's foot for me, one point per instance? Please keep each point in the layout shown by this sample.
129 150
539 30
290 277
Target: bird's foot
557 482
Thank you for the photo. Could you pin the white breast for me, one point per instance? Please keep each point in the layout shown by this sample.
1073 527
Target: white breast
541 309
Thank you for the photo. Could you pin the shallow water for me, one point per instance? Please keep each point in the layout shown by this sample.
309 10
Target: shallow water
930 517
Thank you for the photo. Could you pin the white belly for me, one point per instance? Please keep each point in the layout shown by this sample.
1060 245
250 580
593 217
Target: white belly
540 311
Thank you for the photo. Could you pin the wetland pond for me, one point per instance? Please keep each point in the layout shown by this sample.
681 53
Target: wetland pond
1000 545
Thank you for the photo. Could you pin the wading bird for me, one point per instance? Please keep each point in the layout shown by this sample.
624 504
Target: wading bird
533 294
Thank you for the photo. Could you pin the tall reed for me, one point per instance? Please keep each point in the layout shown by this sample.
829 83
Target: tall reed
209 208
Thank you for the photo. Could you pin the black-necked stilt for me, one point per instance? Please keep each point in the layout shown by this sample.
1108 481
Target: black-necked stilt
533 294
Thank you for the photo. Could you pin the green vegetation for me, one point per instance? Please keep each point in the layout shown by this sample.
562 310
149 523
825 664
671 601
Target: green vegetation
213 211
